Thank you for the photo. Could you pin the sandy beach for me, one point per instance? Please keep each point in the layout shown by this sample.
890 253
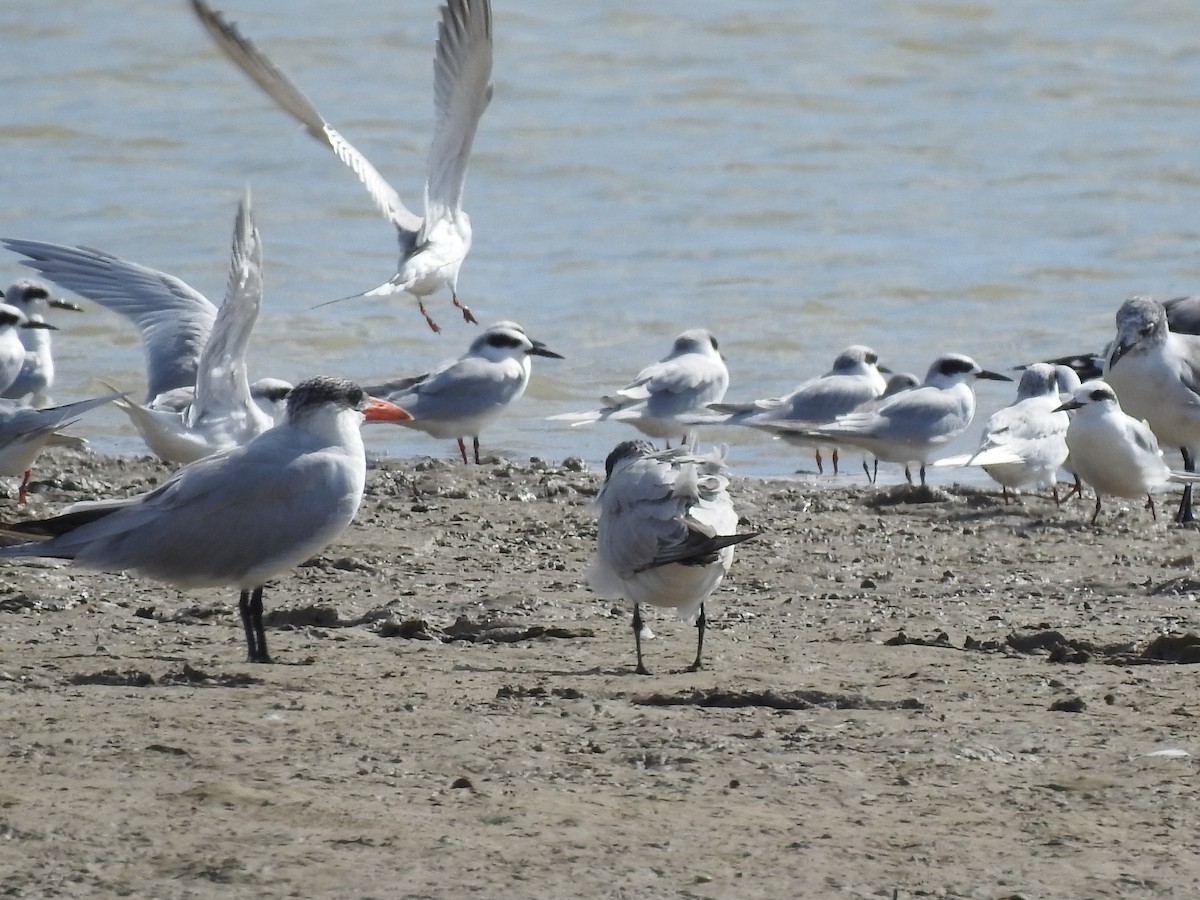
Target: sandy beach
905 695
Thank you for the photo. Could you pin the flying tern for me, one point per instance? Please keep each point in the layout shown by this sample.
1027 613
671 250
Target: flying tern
236 518
432 247
666 397
460 398
666 533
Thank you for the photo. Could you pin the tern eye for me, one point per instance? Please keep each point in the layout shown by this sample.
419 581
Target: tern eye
713 341
1099 395
504 340
355 395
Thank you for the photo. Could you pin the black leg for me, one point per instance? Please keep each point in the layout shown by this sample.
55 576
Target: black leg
907 474
834 456
1150 506
922 474
475 445
462 448
700 623
256 637
1184 516
1097 512
820 462
637 639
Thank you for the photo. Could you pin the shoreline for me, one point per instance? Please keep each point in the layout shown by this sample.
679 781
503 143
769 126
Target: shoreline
453 712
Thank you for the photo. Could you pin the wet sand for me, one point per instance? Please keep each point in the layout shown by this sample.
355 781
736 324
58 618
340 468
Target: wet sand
905 695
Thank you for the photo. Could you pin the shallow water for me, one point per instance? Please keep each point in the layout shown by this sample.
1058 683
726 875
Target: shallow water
982 177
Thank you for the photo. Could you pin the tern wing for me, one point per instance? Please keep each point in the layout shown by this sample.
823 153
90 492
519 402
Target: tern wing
462 89
254 63
174 319
222 383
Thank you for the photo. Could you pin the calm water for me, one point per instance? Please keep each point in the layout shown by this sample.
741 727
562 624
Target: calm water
987 177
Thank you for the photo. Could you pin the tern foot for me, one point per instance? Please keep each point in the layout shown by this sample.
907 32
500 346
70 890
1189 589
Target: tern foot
434 326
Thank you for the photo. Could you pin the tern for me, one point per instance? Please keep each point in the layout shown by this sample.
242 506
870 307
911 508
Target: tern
666 533
909 426
1024 444
1114 452
236 518
1156 374
432 247
12 351
855 379
25 432
460 398
666 397
199 399
36 377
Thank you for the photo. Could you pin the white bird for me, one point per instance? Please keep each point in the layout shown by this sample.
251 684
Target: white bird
236 518
665 398
37 371
12 351
855 379
666 533
1156 373
433 247
1024 444
25 432
1116 453
461 397
199 393
909 426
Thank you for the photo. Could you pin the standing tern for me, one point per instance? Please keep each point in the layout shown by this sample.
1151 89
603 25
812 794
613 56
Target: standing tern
666 397
1024 444
666 533
188 341
461 397
12 351
909 426
25 432
433 247
236 518
1156 373
1114 452
37 372
855 379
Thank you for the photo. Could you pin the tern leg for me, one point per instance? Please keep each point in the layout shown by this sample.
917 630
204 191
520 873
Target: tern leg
637 639
428 318
1184 516
700 623
1054 494
466 311
1097 512
907 474
475 445
835 460
820 462
22 491
871 476
462 448
250 606
1150 506
1076 490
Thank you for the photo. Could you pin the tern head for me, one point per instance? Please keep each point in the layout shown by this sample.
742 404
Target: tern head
955 368
1038 380
1141 323
626 450
1095 394
695 340
508 340
323 395
900 382
11 317
1066 378
31 298
858 360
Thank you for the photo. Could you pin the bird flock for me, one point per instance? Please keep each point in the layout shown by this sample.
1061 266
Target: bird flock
271 473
